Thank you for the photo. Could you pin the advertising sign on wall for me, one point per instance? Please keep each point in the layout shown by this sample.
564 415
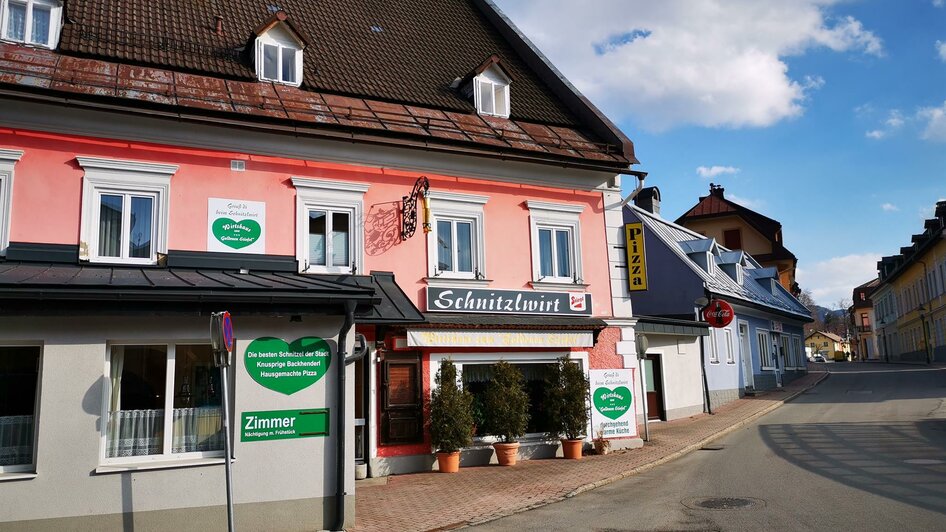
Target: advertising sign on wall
612 403
284 424
526 302
466 338
636 259
287 367
236 226
718 313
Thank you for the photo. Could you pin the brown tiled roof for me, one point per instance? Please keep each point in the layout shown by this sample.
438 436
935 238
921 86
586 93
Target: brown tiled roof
406 51
36 71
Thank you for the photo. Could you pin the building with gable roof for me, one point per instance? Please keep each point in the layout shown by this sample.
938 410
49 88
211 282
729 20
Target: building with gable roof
286 163
762 346
738 227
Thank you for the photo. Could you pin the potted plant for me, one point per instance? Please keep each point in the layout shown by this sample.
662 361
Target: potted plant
570 406
506 411
451 418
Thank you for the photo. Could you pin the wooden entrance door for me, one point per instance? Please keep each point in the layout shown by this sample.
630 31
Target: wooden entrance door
655 393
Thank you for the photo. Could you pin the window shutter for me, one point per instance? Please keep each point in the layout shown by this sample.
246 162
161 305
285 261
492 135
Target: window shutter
402 414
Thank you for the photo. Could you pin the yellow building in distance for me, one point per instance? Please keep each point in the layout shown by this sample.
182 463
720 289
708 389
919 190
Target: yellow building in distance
832 346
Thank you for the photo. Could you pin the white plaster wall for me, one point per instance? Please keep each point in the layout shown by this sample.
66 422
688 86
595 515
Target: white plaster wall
681 376
70 423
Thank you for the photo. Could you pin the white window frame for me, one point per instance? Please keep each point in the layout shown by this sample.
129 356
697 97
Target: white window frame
730 348
798 350
13 472
167 444
785 343
8 159
124 178
273 37
55 22
764 339
714 347
494 80
457 207
460 359
545 215
332 196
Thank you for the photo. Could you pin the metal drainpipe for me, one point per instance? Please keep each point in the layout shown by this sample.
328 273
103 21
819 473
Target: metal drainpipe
340 492
706 395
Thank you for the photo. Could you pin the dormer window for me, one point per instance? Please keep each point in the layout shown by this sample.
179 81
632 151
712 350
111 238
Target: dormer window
491 92
279 51
30 21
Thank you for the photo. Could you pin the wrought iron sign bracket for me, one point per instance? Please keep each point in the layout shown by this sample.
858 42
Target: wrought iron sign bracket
409 208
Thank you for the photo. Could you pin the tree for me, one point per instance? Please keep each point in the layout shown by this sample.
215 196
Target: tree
451 416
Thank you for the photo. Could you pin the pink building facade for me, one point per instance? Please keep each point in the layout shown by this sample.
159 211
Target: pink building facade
139 195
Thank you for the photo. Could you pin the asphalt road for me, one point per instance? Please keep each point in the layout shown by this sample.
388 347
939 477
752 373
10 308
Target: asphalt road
865 450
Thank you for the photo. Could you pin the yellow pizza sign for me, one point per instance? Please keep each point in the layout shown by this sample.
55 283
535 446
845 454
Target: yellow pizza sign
636 260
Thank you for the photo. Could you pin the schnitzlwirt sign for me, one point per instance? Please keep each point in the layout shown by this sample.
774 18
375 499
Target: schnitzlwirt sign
525 302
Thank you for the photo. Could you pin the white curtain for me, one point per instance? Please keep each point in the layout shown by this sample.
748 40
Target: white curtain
16 440
140 433
197 429
117 364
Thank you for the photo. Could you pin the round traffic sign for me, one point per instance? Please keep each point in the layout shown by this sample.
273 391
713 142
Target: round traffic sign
227 326
718 313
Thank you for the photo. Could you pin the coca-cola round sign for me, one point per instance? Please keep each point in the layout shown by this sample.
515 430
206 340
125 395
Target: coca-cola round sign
718 313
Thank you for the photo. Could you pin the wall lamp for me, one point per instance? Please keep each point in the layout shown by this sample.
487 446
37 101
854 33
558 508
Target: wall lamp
409 208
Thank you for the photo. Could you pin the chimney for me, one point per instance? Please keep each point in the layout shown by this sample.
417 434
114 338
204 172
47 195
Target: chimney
649 200
716 190
941 209
219 25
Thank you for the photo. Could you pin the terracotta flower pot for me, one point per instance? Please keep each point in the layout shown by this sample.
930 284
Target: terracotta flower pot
506 453
448 462
571 449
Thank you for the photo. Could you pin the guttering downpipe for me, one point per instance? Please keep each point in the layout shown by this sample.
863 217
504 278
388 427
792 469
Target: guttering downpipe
340 366
640 186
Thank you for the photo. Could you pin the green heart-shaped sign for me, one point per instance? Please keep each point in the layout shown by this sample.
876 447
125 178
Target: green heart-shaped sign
612 403
287 368
236 234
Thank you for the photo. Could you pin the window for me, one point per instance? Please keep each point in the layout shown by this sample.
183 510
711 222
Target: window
556 243
491 92
714 347
19 382
455 246
124 210
402 419
31 21
732 238
787 359
144 383
730 350
865 321
279 56
765 349
329 231
8 159
798 351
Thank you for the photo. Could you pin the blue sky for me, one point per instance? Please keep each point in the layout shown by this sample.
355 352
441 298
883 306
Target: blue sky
827 116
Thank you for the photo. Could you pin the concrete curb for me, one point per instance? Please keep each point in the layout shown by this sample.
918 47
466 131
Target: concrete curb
673 456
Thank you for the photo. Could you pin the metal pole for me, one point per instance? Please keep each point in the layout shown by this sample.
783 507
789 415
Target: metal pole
640 366
227 445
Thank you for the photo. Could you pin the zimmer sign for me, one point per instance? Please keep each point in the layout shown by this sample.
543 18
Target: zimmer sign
475 300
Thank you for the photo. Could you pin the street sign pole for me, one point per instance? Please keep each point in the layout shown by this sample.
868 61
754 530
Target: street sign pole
221 338
642 345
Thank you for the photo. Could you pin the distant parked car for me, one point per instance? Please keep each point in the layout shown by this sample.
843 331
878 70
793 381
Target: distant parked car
818 358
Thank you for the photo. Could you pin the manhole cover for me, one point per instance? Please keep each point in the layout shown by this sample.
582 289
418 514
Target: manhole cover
924 461
723 503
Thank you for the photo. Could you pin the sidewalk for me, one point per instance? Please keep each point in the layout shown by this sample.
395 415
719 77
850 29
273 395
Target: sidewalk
436 501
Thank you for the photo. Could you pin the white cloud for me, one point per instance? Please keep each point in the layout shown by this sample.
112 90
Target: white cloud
941 49
709 172
683 62
939 3
934 119
892 123
754 204
833 279
889 207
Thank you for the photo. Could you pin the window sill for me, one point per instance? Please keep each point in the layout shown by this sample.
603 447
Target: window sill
158 464
553 286
441 282
4 477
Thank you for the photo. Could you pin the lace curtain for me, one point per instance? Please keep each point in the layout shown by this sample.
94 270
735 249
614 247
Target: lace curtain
16 440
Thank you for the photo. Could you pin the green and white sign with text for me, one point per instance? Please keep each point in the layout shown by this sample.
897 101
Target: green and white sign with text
284 424
236 226
287 367
612 403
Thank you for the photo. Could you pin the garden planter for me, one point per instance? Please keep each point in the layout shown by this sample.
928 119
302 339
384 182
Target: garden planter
506 453
448 462
571 449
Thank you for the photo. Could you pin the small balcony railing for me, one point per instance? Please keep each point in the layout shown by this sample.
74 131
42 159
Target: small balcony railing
863 328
